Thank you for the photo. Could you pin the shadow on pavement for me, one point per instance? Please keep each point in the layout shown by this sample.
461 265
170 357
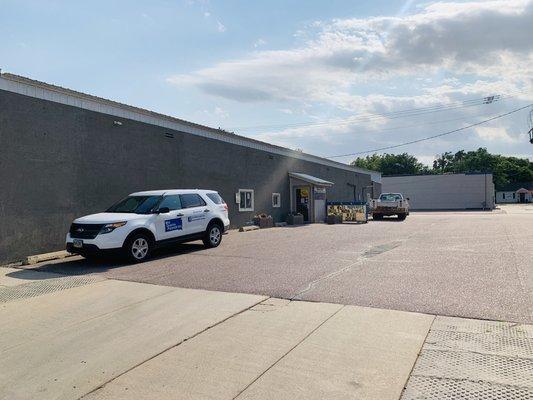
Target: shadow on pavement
81 266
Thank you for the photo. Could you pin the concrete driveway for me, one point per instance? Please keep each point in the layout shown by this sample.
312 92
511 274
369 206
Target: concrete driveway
88 337
469 264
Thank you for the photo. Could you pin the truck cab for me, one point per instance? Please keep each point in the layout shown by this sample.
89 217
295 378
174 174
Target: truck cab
390 204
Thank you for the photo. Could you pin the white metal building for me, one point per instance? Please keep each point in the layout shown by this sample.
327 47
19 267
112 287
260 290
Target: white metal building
443 192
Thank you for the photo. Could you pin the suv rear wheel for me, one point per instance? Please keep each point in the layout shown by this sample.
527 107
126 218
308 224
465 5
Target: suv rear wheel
213 235
138 247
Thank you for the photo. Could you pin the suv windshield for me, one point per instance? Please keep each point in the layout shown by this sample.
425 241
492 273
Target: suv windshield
390 197
135 204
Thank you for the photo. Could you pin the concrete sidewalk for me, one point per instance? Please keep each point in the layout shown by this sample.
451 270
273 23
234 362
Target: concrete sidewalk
68 337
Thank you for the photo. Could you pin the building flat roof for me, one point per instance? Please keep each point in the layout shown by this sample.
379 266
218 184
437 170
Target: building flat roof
29 87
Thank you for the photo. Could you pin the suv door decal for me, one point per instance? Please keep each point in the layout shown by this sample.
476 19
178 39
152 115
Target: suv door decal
197 215
173 224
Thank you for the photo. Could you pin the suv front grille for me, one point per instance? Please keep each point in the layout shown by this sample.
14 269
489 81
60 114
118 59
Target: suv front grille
85 231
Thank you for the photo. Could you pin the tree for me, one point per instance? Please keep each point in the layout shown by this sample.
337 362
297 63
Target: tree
392 164
505 170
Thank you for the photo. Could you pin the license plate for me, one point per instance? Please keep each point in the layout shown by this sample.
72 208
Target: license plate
77 243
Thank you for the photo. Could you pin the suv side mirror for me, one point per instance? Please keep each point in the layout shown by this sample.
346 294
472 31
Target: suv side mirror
163 210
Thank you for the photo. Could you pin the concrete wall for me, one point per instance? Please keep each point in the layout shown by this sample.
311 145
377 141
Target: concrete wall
443 192
58 162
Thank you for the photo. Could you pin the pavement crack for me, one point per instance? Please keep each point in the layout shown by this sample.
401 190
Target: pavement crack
370 252
286 353
418 355
172 346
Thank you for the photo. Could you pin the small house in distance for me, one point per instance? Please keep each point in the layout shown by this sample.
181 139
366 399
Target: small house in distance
519 192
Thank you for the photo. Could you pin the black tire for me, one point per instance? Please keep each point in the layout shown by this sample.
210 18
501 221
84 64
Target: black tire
402 217
213 235
377 217
138 247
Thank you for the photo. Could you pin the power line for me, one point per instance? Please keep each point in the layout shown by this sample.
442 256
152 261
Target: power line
434 136
393 128
413 112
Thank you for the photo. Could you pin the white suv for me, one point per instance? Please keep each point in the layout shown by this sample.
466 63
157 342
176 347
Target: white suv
145 220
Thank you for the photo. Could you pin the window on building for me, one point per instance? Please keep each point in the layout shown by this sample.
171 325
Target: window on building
514 195
246 199
276 200
173 202
191 200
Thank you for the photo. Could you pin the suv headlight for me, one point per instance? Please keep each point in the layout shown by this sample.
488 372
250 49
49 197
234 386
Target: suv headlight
111 227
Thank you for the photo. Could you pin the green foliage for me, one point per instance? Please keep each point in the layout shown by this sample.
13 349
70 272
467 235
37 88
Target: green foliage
392 164
506 170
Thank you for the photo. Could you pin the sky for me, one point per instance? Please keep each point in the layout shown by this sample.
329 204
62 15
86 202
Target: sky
328 77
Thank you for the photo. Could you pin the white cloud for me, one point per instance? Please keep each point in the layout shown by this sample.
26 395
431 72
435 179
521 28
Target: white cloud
489 39
441 53
286 111
259 43
495 134
220 112
220 27
426 159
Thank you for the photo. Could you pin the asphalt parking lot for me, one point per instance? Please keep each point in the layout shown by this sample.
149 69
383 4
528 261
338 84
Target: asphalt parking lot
468 264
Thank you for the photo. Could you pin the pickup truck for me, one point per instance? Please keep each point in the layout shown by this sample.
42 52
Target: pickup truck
390 204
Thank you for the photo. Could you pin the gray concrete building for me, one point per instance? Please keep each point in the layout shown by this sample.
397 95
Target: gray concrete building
443 192
64 154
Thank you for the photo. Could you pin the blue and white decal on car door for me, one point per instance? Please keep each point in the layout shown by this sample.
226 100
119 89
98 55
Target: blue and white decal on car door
197 219
197 215
173 224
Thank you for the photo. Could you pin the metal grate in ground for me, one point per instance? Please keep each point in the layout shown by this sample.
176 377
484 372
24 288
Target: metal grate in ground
44 286
502 370
434 388
478 360
452 324
481 343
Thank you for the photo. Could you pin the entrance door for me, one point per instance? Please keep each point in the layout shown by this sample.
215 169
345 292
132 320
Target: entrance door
522 197
302 202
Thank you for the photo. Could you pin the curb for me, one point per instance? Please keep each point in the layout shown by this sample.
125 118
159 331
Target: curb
56 255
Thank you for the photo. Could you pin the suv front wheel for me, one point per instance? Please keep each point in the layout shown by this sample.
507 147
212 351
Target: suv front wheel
213 235
138 247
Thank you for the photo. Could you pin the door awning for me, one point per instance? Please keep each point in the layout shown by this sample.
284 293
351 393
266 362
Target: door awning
310 179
